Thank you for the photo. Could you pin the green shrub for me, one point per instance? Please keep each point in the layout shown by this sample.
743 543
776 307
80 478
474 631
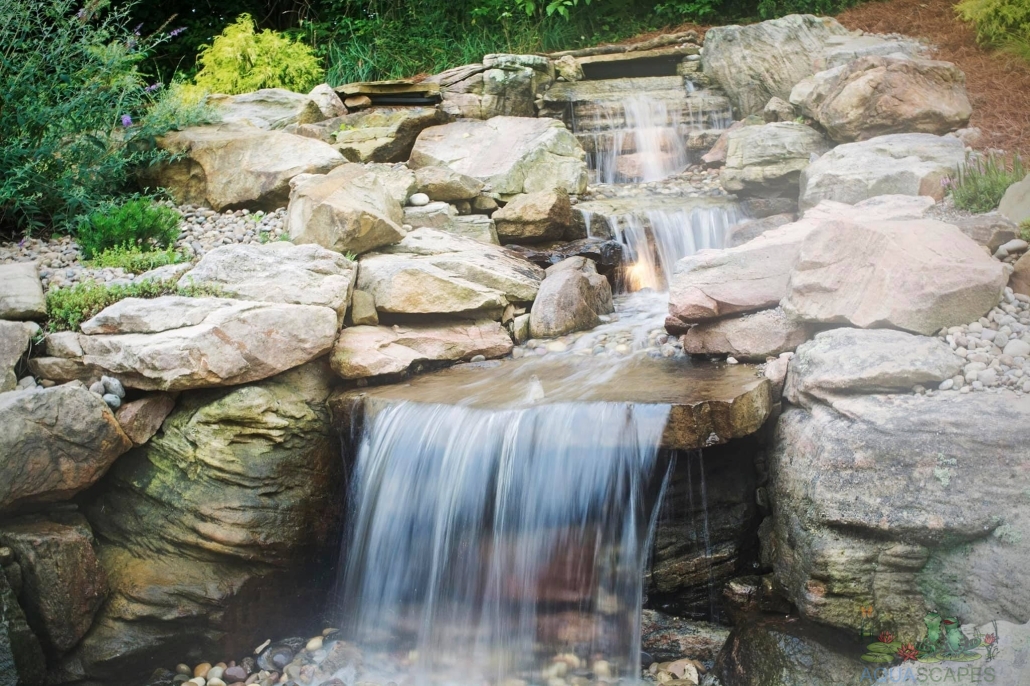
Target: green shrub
138 225
67 308
982 182
241 60
73 106
997 22
136 261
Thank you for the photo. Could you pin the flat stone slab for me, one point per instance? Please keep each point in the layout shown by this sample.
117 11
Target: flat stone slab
710 403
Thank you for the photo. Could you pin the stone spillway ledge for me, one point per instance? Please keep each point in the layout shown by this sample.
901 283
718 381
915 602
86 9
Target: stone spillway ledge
709 403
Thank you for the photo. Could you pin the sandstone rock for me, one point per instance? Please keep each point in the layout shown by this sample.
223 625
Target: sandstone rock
64 584
21 657
1020 279
1015 204
778 109
867 361
788 651
756 62
753 276
14 341
476 226
176 343
992 230
63 344
397 179
232 166
268 108
752 337
534 217
880 208
572 297
363 309
21 292
904 163
447 185
56 442
874 96
433 215
511 155
843 536
384 134
668 638
277 272
141 419
432 272
347 210
882 274
503 85
364 351
356 103
767 160
753 228
217 527
323 103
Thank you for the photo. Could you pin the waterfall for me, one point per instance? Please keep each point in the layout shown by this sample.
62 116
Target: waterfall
633 140
487 545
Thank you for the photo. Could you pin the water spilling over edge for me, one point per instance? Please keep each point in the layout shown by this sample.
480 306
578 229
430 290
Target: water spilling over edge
484 543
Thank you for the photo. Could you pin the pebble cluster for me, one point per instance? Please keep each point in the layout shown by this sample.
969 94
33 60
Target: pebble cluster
996 349
61 264
110 390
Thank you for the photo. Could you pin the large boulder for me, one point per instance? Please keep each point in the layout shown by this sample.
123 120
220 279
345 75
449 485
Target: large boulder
383 134
217 528
902 504
176 343
1020 279
56 442
756 62
21 292
432 272
511 155
572 297
267 108
22 662
867 361
1015 204
534 217
902 163
666 638
503 85
14 341
754 276
874 96
364 351
63 582
346 210
767 160
231 166
916 275
277 272
752 337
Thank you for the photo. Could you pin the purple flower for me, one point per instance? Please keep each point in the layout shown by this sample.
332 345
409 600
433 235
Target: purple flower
152 87
175 32
126 121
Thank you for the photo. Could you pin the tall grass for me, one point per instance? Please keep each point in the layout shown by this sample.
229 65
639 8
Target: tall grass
981 183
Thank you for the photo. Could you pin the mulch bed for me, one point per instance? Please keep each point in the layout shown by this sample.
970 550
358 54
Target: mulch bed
998 84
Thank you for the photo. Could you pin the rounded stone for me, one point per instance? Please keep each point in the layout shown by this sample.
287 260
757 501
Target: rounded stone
418 200
112 400
202 669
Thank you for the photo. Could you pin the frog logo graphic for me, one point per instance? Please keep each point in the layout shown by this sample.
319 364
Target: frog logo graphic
944 642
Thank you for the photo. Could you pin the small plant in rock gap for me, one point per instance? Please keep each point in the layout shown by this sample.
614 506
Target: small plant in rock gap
138 225
242 60
136 261
67 308
1024 230
982 181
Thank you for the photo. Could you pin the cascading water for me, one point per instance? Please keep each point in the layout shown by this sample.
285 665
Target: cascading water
488 542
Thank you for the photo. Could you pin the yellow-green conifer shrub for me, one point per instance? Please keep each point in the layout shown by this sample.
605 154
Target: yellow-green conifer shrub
241 60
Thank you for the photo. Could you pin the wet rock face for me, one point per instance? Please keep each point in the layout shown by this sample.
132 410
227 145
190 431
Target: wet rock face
764 650
211 532
682 580
902 503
